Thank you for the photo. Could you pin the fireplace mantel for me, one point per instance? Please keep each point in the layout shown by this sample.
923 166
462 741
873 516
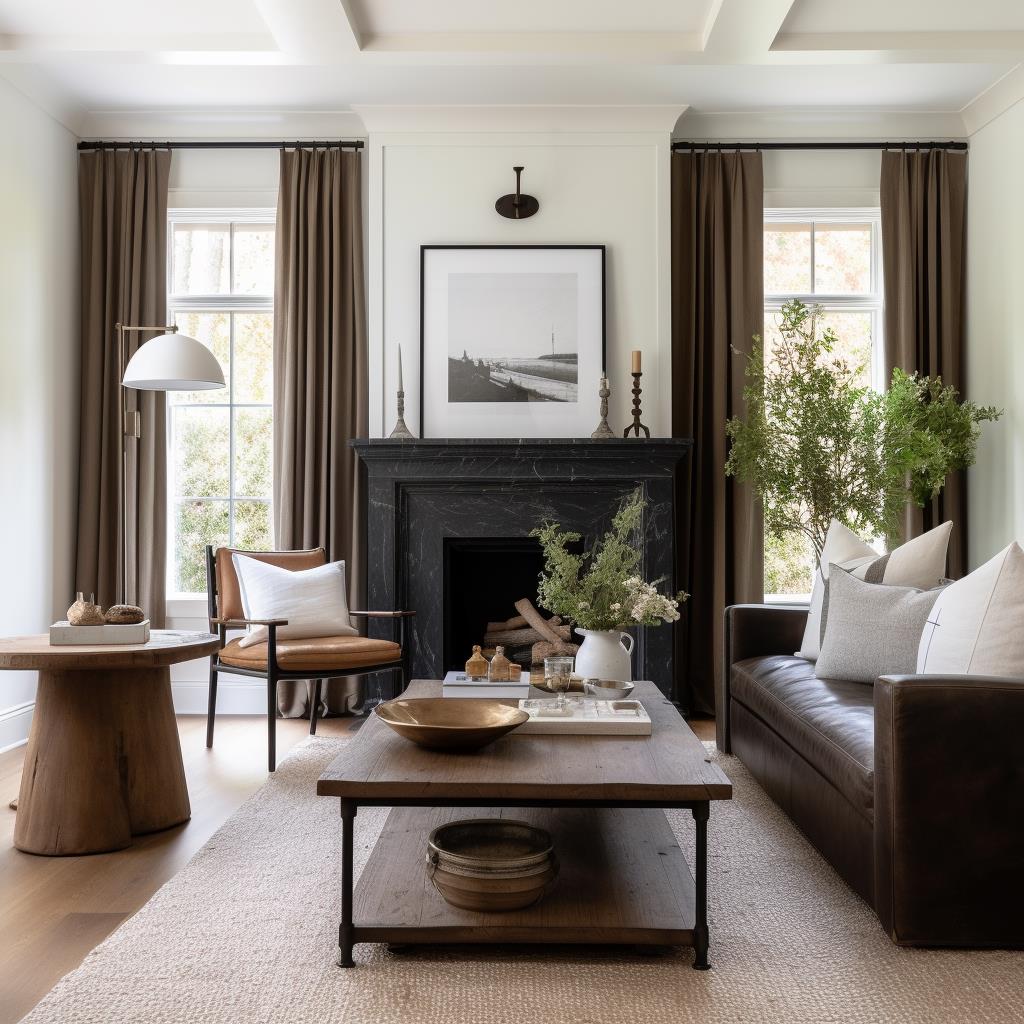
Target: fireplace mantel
420 492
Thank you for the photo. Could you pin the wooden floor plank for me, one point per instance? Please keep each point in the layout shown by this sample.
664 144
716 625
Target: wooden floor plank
55 910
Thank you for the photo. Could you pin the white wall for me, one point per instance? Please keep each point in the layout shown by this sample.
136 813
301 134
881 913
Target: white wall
821 178
38 383
595 188
995 332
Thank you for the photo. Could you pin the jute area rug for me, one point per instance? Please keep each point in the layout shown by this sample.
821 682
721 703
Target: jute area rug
246 932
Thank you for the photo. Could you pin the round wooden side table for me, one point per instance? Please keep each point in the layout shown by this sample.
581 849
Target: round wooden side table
103 762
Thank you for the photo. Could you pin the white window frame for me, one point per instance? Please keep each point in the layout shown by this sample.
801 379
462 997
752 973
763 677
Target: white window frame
870 302
215 303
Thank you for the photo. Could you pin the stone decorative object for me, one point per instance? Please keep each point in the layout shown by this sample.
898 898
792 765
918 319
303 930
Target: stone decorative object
500 668
124 615
85 613
476 667
603 432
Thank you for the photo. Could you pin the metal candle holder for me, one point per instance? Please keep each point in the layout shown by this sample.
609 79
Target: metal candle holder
604 431
401 431
636 426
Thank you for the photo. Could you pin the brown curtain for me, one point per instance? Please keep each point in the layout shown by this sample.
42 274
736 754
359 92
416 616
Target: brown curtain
123 215
924 208
320 374
717 308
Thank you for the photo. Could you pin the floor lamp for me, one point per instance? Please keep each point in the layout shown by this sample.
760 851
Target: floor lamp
168 362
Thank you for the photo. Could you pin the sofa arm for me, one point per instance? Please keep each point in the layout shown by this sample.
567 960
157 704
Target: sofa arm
949 806
752 630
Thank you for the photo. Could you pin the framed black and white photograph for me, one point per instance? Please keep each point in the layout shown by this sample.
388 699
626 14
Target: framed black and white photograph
512 339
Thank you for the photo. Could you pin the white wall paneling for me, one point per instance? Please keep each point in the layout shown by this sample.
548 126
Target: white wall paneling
39 383
610 188
995 332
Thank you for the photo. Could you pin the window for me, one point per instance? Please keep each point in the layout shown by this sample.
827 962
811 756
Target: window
221 291
831 258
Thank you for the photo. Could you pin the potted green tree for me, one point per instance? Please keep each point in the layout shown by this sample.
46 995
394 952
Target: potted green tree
601 591
818 443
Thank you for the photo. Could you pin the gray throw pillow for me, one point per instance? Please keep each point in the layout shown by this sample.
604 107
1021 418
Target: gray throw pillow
872 629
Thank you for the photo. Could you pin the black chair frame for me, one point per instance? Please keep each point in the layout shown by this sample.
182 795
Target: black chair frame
273 673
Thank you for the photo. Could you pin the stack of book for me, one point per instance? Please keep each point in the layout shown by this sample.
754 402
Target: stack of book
458 684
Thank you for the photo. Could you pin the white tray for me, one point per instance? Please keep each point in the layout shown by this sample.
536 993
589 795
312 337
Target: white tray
626 717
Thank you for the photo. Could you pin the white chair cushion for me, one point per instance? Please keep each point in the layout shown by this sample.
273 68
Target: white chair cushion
314 601
975 626
921 563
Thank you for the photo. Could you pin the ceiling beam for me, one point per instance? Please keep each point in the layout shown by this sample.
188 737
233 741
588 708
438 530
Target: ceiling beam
743 31
312 31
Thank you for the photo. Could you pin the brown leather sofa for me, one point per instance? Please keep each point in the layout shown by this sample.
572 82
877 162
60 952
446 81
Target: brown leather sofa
912 788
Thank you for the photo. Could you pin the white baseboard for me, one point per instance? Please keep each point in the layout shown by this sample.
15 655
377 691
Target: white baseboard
15 722
234 696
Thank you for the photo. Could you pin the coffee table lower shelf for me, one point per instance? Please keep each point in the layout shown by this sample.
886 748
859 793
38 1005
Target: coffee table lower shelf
622 880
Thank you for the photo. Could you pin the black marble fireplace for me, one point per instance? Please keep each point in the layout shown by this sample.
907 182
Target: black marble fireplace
448 528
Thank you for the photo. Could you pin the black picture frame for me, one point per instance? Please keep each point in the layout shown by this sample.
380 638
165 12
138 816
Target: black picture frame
522 247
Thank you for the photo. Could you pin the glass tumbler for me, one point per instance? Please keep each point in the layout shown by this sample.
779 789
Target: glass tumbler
557 677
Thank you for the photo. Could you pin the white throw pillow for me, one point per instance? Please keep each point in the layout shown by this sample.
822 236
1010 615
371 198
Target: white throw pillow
975 626
314 601
921 563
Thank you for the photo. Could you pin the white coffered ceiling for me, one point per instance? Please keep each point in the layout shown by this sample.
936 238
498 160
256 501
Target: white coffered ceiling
236 59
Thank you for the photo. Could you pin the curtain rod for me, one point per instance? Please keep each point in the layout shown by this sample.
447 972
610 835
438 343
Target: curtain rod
819 145
340 144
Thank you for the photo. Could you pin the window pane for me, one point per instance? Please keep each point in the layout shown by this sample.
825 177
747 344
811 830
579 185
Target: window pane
196 524
254 370
201 259
853 337
788 565
213 330
853 331
842 259
787 259
254 259
252 526
253 437
201 447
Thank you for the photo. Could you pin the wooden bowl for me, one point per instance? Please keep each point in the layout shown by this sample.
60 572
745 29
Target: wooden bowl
447 723
491 864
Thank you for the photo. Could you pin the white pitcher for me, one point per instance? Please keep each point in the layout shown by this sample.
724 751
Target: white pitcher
604 654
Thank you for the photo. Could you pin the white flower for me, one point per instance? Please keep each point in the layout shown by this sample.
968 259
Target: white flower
583 605
616 606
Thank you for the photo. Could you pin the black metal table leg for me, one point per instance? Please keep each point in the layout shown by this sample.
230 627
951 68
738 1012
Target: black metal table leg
346 931
701 813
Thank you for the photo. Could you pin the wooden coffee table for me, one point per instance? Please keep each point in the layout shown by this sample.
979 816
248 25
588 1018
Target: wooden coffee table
623 877
103 762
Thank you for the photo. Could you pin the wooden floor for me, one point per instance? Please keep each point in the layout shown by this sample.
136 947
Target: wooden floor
55 910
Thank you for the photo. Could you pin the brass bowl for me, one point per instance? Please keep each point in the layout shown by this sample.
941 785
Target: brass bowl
491 864
447 723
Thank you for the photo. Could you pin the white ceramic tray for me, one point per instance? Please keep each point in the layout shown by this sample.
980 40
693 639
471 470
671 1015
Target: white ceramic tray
586 717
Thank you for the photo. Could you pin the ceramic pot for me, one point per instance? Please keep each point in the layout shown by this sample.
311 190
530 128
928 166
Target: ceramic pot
604 654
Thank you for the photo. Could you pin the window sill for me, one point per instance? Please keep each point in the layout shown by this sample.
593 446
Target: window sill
792 600
186 606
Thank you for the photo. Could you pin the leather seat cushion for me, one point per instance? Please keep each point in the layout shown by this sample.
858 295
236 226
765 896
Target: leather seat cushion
829 722
315 654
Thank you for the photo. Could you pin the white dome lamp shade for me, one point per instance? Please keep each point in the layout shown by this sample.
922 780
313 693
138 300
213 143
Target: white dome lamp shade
173 362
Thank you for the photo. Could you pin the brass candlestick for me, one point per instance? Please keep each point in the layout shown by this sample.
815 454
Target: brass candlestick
604 431
636 425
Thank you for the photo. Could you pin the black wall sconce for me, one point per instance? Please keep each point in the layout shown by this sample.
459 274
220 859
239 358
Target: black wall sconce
515 205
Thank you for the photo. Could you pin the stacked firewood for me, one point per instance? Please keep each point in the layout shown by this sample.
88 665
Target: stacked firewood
529 638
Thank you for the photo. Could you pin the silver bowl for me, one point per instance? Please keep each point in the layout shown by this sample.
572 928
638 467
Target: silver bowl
607 689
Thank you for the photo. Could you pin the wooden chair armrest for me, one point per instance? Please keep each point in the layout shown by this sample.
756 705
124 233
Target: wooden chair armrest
385 615
239 623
